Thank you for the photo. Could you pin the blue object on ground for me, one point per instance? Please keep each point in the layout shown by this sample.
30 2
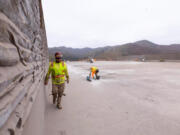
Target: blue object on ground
88 79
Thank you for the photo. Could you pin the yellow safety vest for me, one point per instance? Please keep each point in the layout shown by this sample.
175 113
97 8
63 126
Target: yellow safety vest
93 69
58 71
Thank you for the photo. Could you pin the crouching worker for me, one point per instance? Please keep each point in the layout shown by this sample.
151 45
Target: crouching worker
58 71
94 71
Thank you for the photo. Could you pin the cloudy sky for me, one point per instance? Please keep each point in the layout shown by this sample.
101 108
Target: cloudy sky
95 23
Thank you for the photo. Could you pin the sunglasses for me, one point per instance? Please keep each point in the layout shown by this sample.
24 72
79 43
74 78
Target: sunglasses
58 57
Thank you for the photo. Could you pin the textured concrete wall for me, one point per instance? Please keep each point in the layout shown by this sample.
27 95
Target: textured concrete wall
23 60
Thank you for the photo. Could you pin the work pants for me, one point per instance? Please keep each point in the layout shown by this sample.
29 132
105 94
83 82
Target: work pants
57 92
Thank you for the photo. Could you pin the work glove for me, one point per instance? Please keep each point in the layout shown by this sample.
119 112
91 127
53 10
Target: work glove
45 82
67 79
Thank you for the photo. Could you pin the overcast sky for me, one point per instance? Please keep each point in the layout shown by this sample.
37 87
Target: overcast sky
95 23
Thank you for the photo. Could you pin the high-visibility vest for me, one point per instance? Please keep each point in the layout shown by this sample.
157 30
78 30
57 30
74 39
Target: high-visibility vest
93 69
58 71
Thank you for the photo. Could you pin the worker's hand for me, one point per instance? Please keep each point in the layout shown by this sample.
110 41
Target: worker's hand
45 82
68 80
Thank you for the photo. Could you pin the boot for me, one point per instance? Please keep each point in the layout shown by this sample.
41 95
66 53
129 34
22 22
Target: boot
59 106
54 98
59 102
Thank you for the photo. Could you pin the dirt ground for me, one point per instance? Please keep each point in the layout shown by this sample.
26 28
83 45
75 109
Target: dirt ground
131 98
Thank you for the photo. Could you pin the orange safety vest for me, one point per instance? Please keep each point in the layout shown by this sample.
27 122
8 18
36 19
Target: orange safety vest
93 71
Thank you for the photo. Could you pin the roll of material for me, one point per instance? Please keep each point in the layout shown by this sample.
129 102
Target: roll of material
98 77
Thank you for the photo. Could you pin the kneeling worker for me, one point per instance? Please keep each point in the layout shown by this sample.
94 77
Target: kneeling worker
58 71
94 71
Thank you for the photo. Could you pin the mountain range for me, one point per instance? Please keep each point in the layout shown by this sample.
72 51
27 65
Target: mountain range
143 49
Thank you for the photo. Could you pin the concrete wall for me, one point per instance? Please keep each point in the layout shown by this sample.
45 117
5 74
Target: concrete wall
23 61
35 124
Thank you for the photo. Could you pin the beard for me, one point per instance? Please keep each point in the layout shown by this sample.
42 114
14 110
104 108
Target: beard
58 61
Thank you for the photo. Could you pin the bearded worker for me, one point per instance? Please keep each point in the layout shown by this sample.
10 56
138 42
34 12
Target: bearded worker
58 71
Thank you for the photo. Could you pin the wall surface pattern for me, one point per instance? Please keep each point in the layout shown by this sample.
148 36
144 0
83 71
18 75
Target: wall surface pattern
23 61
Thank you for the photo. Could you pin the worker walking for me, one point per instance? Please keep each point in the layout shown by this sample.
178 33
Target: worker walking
94 71
58 71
